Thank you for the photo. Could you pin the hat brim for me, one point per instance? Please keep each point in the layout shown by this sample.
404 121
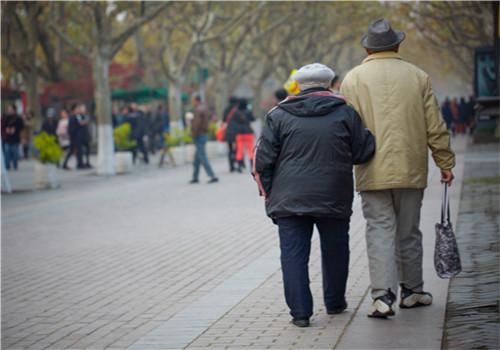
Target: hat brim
401 36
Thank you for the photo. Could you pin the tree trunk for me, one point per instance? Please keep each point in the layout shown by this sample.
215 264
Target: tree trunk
141 57
222 96
175 100
102 96
58 13
31 80
31 75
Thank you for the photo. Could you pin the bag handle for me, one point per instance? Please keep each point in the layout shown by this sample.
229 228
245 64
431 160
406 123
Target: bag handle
445 207
230 114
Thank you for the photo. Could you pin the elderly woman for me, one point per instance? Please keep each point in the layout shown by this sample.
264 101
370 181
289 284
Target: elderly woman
304 168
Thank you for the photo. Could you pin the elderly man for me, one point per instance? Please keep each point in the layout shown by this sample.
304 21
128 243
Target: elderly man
304 167
396 101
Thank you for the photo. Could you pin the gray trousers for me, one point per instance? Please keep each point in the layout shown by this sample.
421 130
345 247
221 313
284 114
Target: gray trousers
393 239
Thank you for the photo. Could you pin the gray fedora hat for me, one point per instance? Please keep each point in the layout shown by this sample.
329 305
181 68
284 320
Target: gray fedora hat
381 36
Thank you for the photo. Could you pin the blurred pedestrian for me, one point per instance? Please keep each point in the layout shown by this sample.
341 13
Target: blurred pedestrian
74 139
27 132
304 168
49 126
63 135
245 138
137 122
199 131
84 135
115 115
130 118
150 130
472 113
446 112
156 130
406 121
231 131
463 111
11 129
280 95
4 134
163 124
455 113
121 115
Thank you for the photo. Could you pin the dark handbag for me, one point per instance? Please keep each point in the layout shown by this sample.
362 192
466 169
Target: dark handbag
446 256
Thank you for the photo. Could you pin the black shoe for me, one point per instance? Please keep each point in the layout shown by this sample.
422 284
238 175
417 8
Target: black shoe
194 182
66 167
88 166
301 322
213 180
382 306
337 310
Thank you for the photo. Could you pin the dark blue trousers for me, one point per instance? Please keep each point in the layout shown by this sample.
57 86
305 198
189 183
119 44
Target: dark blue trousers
295 242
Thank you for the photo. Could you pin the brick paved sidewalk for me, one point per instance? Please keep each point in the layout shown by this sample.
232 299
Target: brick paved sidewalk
148 262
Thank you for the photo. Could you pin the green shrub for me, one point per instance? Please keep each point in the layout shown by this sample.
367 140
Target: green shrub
187 136
121 135
177 136
48 149
212 129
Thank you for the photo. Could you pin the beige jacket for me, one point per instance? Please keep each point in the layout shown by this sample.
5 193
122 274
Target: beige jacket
397 104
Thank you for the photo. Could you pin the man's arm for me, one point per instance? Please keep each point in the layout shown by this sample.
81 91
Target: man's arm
438 137
266 155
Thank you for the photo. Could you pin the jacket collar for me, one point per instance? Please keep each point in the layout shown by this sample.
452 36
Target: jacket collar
381 55
312 90
307 93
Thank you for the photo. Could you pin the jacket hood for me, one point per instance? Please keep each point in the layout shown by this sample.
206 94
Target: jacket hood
312 102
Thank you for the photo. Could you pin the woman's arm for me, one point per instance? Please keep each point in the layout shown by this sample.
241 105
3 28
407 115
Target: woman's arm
266 154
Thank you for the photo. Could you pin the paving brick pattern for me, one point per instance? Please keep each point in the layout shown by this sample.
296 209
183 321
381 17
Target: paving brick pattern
262 321
103 264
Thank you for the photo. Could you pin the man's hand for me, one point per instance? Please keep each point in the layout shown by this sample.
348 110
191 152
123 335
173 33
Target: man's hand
447 176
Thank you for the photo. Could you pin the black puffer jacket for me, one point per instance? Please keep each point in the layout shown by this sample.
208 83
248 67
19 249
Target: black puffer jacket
305 156
239 123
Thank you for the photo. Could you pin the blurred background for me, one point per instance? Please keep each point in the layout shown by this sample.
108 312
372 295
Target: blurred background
106 55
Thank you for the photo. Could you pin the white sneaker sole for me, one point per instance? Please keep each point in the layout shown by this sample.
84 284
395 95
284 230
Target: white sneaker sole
415 300
380 309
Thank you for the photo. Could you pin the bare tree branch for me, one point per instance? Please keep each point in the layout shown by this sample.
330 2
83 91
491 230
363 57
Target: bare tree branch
84 51
118 40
